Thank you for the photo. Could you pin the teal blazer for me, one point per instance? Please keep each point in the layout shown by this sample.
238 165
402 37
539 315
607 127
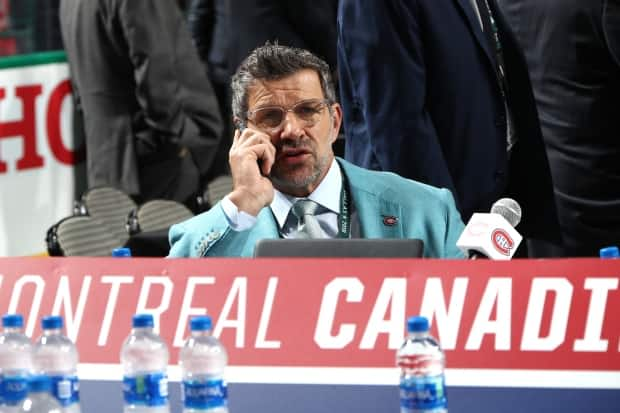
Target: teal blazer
421 211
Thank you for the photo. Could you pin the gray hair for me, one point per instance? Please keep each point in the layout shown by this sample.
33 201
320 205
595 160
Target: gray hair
274 62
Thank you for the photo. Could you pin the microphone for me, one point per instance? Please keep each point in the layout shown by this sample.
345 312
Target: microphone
492 235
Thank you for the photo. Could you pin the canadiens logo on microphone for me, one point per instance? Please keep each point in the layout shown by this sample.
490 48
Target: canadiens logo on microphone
502 241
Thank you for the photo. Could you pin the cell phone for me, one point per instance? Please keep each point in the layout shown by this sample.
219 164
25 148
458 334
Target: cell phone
240 125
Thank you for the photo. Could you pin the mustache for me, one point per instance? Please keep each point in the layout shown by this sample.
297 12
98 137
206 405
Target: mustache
290 144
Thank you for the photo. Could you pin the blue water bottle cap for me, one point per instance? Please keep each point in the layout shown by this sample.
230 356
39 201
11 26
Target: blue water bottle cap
40 383
143 320
200 323
417 324
609 252
121 252
12 321
51 322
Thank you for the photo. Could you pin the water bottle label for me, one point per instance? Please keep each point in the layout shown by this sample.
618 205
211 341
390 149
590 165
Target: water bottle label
419 393
66 389
148 389
13 389
204 394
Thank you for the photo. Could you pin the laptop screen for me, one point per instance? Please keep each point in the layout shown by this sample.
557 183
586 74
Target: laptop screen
340 247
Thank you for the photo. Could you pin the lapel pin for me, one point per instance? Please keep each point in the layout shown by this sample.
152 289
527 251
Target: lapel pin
389 220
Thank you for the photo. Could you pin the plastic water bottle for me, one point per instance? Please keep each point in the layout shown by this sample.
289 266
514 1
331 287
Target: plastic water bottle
144 357
40 400
202 360
421 361
122 252
609 252
55 356
15 363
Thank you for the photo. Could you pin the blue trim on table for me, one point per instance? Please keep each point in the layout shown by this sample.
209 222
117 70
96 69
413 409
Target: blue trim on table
105 397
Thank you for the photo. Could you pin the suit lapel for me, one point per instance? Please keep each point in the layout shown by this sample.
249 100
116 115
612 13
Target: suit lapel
474 26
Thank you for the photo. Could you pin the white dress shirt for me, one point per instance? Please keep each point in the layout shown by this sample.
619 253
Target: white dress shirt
327 194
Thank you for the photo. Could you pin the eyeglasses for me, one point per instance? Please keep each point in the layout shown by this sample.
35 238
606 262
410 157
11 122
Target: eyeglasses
271 118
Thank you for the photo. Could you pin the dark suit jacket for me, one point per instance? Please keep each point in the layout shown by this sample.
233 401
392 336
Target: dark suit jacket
421 99
209 24
145 97
307 24
573 52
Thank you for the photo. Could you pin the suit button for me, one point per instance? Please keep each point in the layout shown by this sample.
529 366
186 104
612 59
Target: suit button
500 176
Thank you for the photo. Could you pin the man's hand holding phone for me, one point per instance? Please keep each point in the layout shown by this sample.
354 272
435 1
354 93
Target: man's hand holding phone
251 157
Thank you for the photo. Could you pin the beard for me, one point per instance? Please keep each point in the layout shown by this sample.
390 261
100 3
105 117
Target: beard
306 176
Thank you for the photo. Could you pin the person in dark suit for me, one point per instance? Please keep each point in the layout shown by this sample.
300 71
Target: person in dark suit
307 24
150 114
209 25
226 31
573 53
438 91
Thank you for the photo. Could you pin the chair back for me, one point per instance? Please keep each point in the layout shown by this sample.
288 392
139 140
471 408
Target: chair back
156 215
110 206
80 236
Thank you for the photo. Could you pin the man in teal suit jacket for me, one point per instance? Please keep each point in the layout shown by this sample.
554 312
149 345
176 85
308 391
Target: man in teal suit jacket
287 118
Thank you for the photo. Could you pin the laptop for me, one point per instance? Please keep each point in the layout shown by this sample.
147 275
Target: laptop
340 247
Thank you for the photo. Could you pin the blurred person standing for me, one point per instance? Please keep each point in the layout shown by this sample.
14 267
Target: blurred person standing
438 92
573 52
209 24
306 24
150 114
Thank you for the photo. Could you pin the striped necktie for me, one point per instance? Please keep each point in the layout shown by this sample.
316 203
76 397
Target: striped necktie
307 225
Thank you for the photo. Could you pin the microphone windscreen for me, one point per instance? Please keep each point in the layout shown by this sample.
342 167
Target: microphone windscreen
509 209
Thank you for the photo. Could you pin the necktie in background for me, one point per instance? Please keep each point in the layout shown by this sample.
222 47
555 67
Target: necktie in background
307 225
492 34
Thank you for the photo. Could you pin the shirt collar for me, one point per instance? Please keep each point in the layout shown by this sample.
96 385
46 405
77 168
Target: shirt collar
327 194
